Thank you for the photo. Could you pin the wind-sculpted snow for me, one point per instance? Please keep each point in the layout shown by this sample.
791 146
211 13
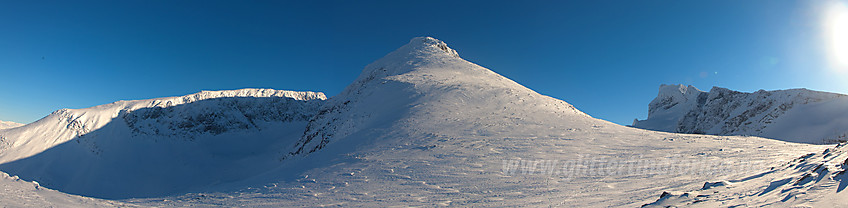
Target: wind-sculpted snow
797 115
812 180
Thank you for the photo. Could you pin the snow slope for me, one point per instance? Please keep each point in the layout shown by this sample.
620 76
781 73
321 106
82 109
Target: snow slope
797 115
423 127
9 124
424 80
812 180
158 146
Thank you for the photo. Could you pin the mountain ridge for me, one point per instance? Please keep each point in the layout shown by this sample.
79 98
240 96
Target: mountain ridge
70 123
721 111
9 124
128 148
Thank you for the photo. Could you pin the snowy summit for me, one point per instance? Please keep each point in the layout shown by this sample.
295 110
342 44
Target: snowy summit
428 76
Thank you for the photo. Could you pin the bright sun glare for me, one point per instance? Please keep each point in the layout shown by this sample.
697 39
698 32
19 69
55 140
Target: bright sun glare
838 34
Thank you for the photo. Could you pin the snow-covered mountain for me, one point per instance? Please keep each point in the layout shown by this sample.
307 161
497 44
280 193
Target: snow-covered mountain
423 127
9 124
797 115
158 146
422 80
419 127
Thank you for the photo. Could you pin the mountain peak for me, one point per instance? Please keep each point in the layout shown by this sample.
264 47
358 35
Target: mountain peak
426 83
668 89
431 43
419 52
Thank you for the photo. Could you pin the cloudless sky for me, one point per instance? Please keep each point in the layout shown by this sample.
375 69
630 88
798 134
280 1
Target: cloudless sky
605 57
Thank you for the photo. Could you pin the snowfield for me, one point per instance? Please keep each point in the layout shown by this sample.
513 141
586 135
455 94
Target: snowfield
811 180
796 115
419 127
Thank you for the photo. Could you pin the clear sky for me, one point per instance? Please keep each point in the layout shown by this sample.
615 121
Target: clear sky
605 57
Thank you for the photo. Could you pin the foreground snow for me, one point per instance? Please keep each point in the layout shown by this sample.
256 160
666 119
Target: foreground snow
20 193
796 115
812 180
423 127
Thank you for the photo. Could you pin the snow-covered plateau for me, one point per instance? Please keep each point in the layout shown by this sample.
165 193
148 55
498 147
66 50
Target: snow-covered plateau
419 127
795 115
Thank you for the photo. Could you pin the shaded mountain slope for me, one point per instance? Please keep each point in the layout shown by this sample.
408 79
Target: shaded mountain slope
159 146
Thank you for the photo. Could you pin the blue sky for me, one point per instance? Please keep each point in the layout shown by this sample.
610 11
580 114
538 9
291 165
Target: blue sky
605 57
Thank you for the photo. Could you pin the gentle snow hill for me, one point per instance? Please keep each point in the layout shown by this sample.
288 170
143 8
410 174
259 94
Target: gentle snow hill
426 79
423 127
9 124
158 146
796 115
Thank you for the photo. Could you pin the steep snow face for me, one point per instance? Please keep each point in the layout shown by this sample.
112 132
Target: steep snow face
9 124
158 146
216 116
66 124
424 78
671 104
797 115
